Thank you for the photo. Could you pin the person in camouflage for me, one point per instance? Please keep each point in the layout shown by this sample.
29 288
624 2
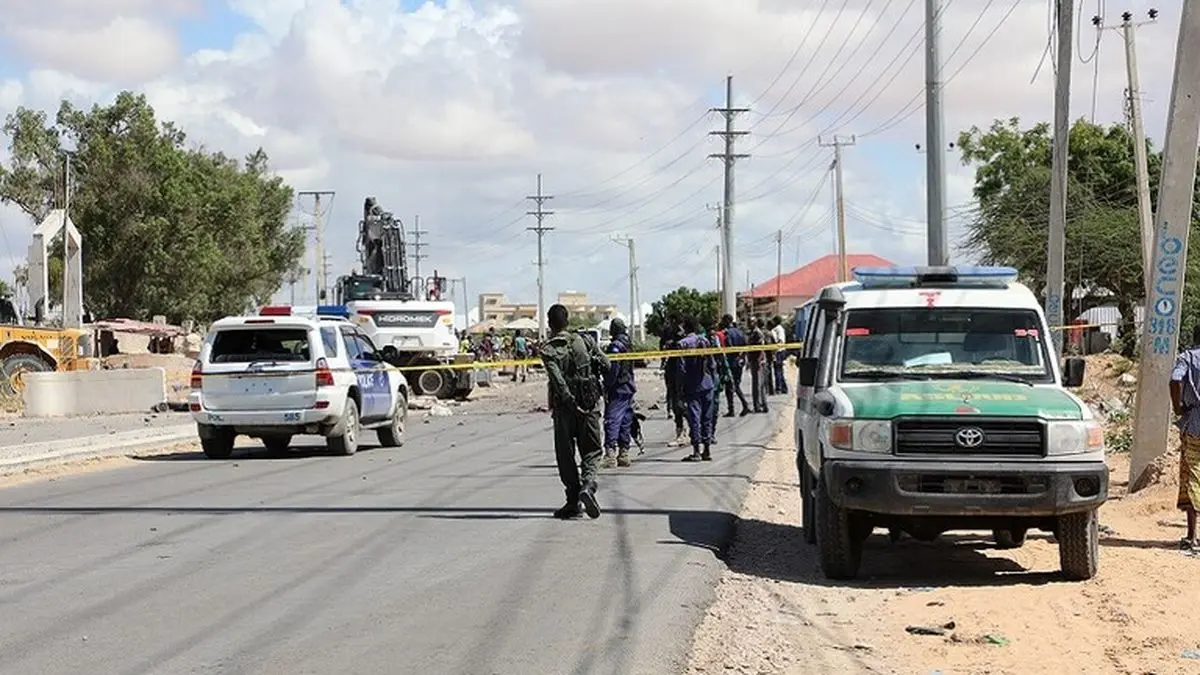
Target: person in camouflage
572 366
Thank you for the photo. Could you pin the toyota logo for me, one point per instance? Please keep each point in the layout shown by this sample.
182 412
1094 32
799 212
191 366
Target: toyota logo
969 437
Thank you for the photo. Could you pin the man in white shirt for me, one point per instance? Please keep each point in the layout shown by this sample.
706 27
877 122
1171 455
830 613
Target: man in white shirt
779 337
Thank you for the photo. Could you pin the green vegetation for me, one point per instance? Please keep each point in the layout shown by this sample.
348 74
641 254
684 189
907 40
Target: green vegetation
167 228
683 301
1010 227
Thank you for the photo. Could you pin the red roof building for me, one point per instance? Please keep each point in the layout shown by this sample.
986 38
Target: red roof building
781 294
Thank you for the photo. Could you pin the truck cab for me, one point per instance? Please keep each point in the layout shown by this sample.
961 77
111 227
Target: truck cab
416 335
932 399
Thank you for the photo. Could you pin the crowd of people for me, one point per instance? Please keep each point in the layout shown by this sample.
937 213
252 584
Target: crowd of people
581 375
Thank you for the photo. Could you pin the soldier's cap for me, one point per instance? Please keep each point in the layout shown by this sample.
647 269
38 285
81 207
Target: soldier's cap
616 326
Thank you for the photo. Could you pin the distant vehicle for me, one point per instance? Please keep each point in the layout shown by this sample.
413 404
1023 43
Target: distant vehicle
931 400
408 318
280 374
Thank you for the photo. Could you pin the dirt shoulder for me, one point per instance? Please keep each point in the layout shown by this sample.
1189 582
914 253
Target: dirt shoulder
775 613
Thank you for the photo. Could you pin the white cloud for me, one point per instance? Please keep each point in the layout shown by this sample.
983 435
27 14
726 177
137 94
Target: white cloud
450 112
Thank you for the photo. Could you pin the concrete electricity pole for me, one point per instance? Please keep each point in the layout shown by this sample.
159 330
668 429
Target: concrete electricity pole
319 233
1128 29
633 286
1160 328
1057 244
729 296
417 256
843 261
540 213
720 258
778 272
938 242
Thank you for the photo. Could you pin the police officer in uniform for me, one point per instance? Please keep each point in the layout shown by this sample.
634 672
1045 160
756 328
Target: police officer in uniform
573 366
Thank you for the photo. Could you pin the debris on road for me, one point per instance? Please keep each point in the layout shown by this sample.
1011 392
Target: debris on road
930 630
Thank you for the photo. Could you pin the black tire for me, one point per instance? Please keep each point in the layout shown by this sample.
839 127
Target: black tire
807 516
838 538
17 365
345 441
1010 539
1079 545
430 382
392 436
449 385
277 445
217 444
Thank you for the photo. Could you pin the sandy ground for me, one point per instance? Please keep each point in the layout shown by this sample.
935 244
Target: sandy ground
775 613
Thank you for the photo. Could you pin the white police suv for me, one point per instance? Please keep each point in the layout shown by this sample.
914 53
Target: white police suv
284 373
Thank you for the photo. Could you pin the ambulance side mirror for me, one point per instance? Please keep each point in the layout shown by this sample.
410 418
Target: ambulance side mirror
1073 372
808 371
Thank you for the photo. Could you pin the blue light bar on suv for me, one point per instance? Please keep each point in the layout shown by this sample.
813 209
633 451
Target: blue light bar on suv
340 311
967 276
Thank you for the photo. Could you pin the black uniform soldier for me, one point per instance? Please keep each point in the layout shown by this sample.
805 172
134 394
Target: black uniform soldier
572 365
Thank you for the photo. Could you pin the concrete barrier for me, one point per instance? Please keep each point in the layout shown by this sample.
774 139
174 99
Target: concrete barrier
91 392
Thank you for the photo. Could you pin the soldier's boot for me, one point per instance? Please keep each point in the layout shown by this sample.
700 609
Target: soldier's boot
695 456
590 505
608 461
572 510
623 458
706 455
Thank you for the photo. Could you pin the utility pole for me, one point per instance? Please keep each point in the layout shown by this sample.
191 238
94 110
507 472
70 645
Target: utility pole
540 213
717 250
1160 328
779 273
1128 28
836 144
935 168
633 285
417 256
319 233
729 296
720 259
1057 244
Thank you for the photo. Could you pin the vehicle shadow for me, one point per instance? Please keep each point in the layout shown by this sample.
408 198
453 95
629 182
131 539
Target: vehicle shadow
778 552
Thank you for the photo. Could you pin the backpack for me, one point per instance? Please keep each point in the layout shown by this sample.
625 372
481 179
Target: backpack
583 381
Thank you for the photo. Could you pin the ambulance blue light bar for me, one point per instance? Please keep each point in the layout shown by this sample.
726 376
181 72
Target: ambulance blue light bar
967 276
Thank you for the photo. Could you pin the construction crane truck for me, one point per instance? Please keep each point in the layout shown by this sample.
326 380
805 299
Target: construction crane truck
405 317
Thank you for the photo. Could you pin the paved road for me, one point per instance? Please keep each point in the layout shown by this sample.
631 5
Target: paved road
437 557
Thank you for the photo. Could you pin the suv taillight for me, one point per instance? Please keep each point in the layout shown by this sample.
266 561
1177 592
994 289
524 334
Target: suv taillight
324 374
197 378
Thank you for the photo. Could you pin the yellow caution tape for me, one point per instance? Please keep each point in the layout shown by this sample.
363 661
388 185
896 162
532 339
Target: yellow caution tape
626 356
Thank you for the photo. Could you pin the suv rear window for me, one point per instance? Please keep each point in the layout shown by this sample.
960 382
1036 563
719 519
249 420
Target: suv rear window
247 345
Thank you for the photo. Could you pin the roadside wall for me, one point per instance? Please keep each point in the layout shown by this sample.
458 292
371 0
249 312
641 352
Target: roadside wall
91 392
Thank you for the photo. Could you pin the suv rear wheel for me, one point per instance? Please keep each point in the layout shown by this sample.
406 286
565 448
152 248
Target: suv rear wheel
392 436
217 443
344 440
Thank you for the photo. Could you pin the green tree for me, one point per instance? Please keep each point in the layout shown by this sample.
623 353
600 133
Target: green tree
167 229
1010 226
704 306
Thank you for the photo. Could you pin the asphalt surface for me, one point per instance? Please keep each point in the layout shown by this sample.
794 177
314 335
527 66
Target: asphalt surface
436 557
19 430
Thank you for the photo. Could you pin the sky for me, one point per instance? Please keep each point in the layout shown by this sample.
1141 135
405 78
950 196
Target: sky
449 110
